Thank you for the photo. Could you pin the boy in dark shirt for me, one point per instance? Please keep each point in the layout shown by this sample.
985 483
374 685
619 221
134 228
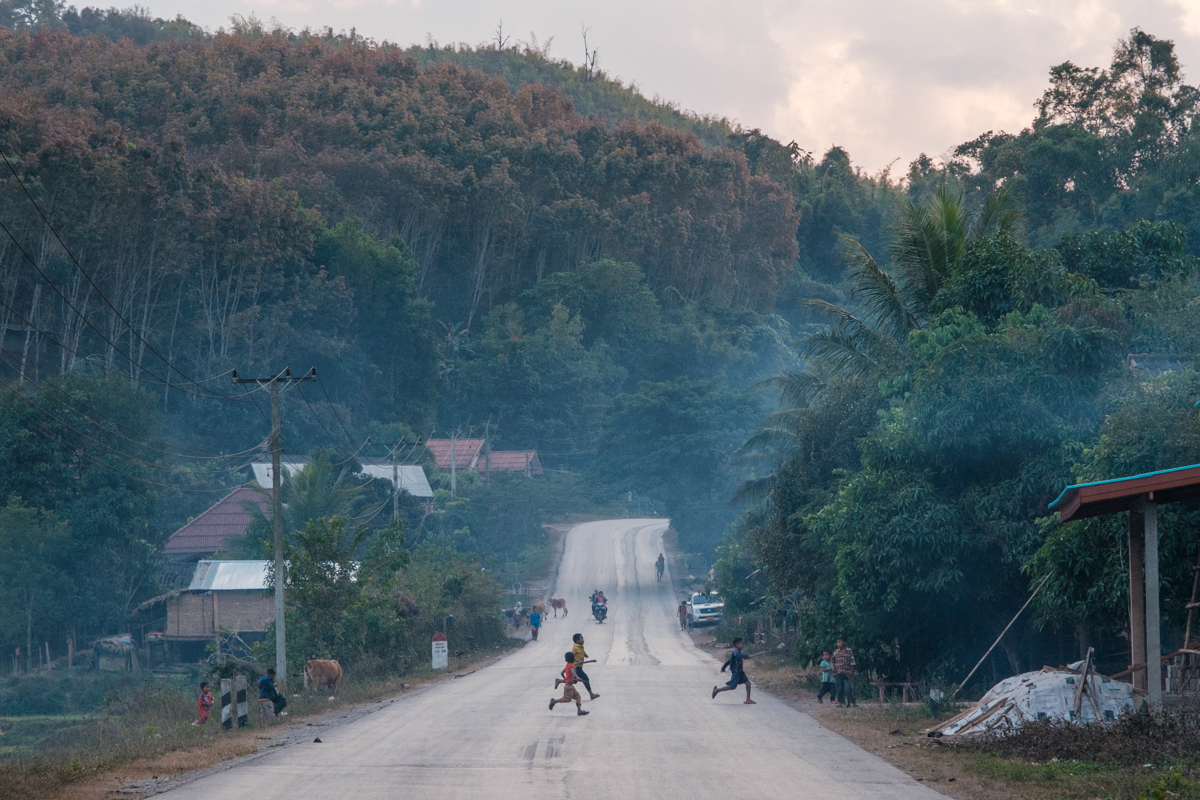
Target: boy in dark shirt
569 691
737 672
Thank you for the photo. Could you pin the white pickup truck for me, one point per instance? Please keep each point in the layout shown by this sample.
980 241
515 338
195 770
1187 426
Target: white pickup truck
704 609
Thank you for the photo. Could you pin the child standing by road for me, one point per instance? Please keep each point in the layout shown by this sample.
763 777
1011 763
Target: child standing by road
827 684
204 704
737 672
569 691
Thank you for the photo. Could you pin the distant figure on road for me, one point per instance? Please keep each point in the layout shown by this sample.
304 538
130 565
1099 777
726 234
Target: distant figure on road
682 616
204 703
569 691
827 684
843 673
737 672
660 565
580 656
535 622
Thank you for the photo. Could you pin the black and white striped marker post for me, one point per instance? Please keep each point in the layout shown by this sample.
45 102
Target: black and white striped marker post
239 686
226 709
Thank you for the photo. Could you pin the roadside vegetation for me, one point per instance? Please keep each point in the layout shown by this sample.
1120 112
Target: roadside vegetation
889 375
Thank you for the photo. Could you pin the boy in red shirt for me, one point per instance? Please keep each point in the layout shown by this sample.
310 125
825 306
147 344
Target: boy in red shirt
569 691
204 704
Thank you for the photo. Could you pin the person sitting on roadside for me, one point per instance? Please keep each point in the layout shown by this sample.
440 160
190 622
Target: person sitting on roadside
270 701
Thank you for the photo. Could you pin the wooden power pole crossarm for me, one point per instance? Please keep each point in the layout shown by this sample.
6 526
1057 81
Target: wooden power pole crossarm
277 505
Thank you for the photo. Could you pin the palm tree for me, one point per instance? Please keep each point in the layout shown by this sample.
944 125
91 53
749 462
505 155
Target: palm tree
926 247
315 493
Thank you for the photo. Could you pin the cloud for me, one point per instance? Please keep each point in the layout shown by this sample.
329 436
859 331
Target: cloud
885 80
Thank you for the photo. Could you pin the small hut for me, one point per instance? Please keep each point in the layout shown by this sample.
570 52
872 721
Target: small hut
115 653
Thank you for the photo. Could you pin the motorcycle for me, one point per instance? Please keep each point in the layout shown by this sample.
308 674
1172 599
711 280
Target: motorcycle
600 611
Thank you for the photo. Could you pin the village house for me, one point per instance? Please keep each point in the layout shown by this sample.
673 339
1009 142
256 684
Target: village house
230 599
474 455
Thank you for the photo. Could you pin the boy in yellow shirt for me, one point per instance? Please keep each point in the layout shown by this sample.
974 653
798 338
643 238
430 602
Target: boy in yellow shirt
580 659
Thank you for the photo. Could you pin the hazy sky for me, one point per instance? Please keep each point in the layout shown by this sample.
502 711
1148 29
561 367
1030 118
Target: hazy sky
885 79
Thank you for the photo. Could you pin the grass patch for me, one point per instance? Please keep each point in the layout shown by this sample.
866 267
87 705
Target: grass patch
43 754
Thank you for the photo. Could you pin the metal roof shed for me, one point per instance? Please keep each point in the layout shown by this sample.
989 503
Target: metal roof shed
1140 495
411 477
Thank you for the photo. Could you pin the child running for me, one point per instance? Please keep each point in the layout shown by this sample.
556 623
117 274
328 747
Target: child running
737 672
580 660
204 704
569 691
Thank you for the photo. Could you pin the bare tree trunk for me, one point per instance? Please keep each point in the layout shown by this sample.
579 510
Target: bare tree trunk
37 296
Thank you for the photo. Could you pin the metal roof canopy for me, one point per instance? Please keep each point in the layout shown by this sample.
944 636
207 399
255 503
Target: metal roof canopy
1139 496
230 576
1083 500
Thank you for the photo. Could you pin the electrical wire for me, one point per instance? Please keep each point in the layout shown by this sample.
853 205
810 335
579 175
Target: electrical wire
93 284
332 408
51 435
62 397
101 443
98 332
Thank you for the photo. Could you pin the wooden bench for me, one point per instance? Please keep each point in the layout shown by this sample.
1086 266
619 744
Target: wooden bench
885 685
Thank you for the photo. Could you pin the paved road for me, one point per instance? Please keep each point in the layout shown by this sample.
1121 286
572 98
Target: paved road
654 732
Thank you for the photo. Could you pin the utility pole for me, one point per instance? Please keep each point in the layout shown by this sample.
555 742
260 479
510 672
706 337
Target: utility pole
277 503
453 465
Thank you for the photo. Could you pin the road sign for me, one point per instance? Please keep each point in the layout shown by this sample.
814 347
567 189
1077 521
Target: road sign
441 651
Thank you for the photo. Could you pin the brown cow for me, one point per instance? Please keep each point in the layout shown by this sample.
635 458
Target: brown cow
558 602
323 672
539 607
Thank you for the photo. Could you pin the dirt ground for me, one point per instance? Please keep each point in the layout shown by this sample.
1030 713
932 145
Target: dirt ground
895 732
148 776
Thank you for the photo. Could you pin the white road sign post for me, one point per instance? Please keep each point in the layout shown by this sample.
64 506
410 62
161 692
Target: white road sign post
441 651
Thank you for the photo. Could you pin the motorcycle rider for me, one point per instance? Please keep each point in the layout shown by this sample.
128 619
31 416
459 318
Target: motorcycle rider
599 605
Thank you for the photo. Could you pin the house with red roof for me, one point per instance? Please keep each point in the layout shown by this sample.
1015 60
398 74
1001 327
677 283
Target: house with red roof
227 519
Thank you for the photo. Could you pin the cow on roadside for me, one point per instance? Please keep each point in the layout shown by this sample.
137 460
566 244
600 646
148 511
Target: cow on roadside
322 672
539 607
558 602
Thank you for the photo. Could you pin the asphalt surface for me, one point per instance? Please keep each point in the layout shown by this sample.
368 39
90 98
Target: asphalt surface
653 733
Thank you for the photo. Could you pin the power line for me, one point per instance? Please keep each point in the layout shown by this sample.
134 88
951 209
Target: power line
93 284
88 322
107 446
54 437
321 383
62 397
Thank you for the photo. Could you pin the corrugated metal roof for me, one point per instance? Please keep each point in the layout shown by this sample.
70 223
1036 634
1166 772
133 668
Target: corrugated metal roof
229 576
510 461
228 517
466 452
412 476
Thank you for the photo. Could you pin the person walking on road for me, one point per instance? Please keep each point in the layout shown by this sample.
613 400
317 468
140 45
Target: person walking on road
827 684
535 622
568 680
682 616
660 565
843 673
581 658
737 672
